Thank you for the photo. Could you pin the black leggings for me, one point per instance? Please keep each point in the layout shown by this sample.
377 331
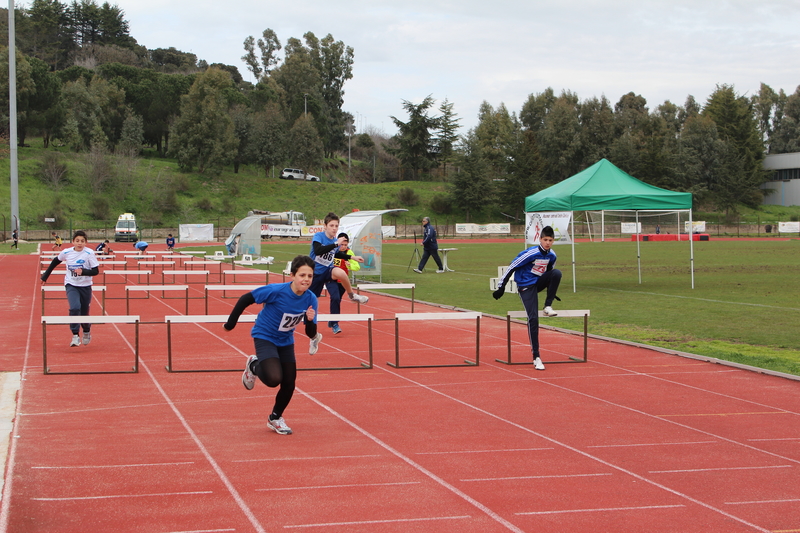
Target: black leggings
272 373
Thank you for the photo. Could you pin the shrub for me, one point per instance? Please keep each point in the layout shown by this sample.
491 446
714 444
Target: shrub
52 170
440 204
204 204
407 196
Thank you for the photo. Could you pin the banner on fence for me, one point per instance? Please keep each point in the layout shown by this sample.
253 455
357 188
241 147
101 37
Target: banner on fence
483 228
309 231
698 226
388 231
559 221
196 232
630 227
788 227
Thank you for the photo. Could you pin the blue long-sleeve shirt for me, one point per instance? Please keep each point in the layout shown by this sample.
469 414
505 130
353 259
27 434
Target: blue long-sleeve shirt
529 265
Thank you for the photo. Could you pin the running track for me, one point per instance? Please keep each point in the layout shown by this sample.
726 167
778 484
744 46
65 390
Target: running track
634 440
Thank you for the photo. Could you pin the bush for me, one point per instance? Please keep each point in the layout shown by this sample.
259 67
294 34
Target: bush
407 196
100 208
204 204
441 204
53 171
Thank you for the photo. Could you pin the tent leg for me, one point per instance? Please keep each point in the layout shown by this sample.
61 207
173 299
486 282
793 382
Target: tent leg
572 221
638 250
691 247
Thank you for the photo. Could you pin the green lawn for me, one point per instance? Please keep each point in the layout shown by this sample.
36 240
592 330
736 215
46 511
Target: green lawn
745 306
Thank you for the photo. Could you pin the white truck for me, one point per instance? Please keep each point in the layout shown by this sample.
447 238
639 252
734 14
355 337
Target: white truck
280 224
126 229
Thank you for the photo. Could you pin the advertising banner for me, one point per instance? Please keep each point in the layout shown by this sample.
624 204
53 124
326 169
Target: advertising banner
559 221
483 228
630 227
196 232
698 226
789 227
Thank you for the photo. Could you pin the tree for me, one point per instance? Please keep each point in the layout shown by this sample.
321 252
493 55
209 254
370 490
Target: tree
447 133
307 151
786 136
269 137
524 174
468 186
495 132
560 139
50 33
416 150
597 129
268 45
203 134
243 130
536 108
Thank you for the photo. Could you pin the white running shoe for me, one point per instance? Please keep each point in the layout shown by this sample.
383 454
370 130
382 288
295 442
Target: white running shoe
76 341
279 426
537 363
440 271
248 378
359 298
548 311
87 338
313 346
418 271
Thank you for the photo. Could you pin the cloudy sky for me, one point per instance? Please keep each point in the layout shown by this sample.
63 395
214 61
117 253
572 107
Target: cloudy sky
501 51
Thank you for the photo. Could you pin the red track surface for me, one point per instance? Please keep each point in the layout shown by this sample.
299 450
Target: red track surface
634 440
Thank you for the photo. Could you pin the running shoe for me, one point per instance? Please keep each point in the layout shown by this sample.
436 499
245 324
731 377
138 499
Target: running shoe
336 329
548 311
248 378
418 271
279 426
76 341
537 363
440 271
313 346
359 298
87 338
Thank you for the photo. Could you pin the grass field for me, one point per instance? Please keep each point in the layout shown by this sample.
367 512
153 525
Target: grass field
745 306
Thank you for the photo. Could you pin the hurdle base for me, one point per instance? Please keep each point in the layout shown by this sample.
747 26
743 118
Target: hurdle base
467 363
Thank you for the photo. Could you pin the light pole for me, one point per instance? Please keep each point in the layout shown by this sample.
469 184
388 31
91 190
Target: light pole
305 104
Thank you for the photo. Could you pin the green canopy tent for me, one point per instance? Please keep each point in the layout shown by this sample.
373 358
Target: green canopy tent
604 187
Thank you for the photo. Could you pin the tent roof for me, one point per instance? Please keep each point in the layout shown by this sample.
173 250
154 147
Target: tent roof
603 186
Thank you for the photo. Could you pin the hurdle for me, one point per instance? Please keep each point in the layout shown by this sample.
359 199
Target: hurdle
62 288
221 319
561 314
437 316
162 288
154 264
225 288
379 286
235 273
190 265
104 319
185 273
124 274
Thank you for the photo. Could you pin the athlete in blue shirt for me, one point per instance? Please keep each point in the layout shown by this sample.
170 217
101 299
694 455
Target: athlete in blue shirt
285 306
534 271
325 247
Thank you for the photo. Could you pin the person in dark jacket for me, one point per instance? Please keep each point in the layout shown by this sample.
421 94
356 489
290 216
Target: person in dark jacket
430 247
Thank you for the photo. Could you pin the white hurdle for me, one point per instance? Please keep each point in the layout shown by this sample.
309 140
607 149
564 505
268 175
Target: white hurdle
385 286
149 288
102 319
225 288
221 319
569 313
62 288
437 316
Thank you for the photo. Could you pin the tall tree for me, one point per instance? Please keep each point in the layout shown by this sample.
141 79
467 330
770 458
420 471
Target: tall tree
266 61
307 151
447 133
495 132
269 138
203 134
786 136
51 33
524 174
468 186
560 139
416 150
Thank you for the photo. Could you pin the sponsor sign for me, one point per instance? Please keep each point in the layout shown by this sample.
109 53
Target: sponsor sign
559 221
483 228
698 226
788 227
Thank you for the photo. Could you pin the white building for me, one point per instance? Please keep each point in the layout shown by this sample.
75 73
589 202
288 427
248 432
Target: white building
784 185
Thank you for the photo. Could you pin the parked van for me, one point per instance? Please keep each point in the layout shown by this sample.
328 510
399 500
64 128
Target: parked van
126 229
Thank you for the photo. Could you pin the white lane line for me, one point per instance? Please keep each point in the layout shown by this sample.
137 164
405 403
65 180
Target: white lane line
265 459
415 465
537 477
715 469
602 509
652 444
318 487
487 451
757 502
772 440
587 454
203 531
109 466
115 496
362 522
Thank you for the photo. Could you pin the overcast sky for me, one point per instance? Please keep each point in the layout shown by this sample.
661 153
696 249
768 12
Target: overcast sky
501 51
